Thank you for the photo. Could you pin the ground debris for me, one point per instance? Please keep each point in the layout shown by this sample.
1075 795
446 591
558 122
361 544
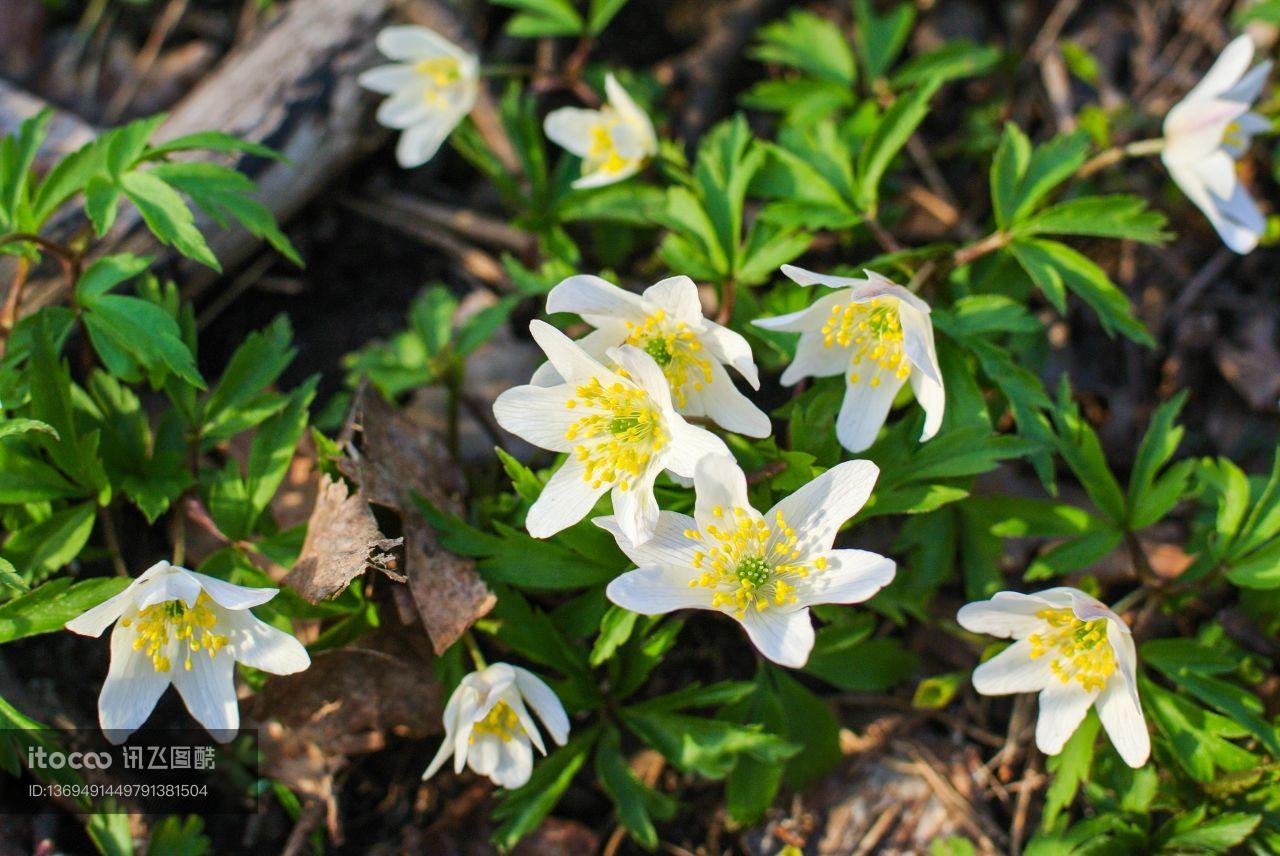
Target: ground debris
342 541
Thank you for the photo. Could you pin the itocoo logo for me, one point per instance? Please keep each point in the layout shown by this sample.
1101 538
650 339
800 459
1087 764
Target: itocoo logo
39 758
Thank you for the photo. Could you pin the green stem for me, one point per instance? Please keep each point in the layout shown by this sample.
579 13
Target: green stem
1115 154
477 656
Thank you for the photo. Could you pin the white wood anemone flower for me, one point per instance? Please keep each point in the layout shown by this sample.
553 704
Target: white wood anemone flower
666 322
487 725
1072 650
433 84
179 627
618 426
1208 131
763 570
879 336
613 142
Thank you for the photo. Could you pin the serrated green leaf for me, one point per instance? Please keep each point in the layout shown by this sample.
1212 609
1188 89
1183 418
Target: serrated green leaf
808 43
167 216
47 608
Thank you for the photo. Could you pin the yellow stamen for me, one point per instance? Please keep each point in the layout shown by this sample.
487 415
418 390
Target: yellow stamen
500 720
872 331
191 627
617 435
750 564
676 350
1080 649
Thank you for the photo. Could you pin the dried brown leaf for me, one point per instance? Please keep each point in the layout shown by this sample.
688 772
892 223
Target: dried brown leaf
342 540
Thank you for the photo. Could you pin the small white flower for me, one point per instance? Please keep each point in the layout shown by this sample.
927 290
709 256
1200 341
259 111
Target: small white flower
764 570
1073 651
175 626
613 141
1208 131
879 336
667 323
487 726
618 427
433 85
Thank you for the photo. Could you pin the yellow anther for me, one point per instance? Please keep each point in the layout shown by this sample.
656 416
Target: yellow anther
618 434
501 720
172 626
872 330
1080 649
674 348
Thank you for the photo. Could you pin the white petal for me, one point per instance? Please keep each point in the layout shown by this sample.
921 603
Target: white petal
419 143
545 703
1121 715
882 286
567 498
636 508
807 320
865 407
406 108
230 595
209 692
1006 614
572 128
1062 709
632 116
386 79
96 619
468 705
644 373
537 414
570 361
1226 71
258 645
679 296
173 583
484 754
515 763
1013 670
601 177
655 590
720 485
1195 130
131 690
451 726
667 546
851 576
587 295
442 754
815 359
724 404
417 43
786 638
932 398
732 349
800 276
1251 85
689 444
818 509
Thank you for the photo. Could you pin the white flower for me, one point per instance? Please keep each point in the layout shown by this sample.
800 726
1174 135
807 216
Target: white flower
1073 651
667 323
1208 131
618 426
183 628
487 726
765 570
613 141
879 336
433 85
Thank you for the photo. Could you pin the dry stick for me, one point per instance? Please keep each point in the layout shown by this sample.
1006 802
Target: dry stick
979 826
146 58
473 225
1212 269
879 829
1028 786
1049 33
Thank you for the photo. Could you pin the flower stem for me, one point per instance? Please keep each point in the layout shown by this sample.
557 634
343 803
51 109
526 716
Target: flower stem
1131 600
477 656
972 252
1115 154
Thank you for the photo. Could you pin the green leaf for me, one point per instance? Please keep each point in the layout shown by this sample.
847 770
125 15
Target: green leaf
47 608
1069 768
144 331
891 134
212 141
125 145
881 38
9 577
1121 217
635 801
1195 833
615 629
101 203
956 58
1237 703
45 546
936 692
254 366
708 747
27 479
16 427
1079 446
1007 169
541 18
601 13
274 445
17 154
522 809
106 273
167 216
874 665
808 43
1156 449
